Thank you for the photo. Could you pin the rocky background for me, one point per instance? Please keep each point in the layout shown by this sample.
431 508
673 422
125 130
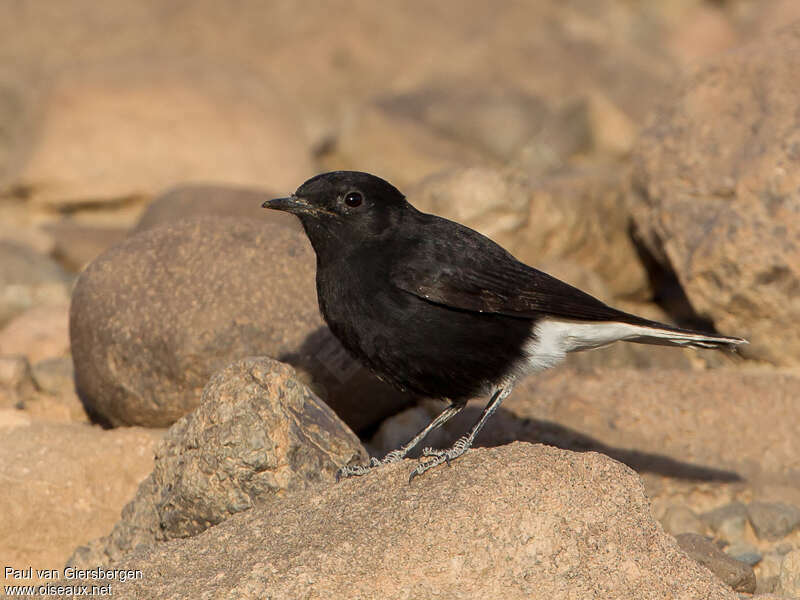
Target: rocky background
171 401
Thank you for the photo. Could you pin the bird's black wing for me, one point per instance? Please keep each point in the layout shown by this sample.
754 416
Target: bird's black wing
457 267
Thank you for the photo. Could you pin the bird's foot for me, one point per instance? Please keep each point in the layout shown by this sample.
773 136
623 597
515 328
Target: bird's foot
358 470
439 456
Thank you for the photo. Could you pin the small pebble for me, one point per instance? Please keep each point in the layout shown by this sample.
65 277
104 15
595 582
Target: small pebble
681 519
729 521
744 553
773 520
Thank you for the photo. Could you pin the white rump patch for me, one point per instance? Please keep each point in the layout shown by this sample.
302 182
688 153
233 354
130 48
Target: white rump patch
552 339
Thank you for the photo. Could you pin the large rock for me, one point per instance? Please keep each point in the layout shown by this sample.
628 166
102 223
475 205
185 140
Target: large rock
258 434
154 317
28 279
64 485
126 129
520 521
718 198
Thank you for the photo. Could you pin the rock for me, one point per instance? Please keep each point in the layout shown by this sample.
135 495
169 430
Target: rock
728 521
704 425
717 198
38 333
736 574
773 520
77 244
396 147
745 553
789 579
35 238
374 537
682 519
95 144
154 317
54 375
28 279
768 572
258 434
193 200
65 484
16 381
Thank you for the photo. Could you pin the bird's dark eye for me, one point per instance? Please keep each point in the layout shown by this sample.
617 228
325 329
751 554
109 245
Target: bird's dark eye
353 199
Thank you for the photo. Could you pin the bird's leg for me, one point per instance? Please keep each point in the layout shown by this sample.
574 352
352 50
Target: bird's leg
463 443
399 454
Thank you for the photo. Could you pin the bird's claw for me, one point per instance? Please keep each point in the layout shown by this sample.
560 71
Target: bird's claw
358 470
441 456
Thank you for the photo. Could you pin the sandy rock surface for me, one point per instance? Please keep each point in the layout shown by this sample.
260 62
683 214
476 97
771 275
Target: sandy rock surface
718 193
556 524
64 484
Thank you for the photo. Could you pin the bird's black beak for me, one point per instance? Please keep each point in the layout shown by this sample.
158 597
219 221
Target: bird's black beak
292 204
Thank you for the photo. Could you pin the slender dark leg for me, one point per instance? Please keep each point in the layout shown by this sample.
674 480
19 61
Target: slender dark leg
399 454
463 443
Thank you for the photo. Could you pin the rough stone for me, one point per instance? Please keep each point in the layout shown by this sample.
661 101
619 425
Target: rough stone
736 574
715 179
64 484
773 520
155 316
38 333
28 279
258 434
556 525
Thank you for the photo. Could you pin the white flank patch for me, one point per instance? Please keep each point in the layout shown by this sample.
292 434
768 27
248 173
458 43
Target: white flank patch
552 339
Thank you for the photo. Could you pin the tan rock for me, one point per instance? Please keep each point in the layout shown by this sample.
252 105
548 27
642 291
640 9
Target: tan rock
554 525
77 244
63 485
717 195
128 129
258 434
16 381
38 333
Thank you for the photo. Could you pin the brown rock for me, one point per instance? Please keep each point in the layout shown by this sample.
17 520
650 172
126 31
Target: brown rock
258 434
718 194
154 317
38 333
555 525
99 126
63 485
682 519
735 573
194 200
707 425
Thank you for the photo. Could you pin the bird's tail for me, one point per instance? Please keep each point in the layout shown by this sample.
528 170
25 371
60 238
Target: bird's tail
664 335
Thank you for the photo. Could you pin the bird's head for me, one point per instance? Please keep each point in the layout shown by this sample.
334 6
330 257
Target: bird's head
344 206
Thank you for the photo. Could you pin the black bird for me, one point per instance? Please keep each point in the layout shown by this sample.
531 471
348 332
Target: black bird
441 310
